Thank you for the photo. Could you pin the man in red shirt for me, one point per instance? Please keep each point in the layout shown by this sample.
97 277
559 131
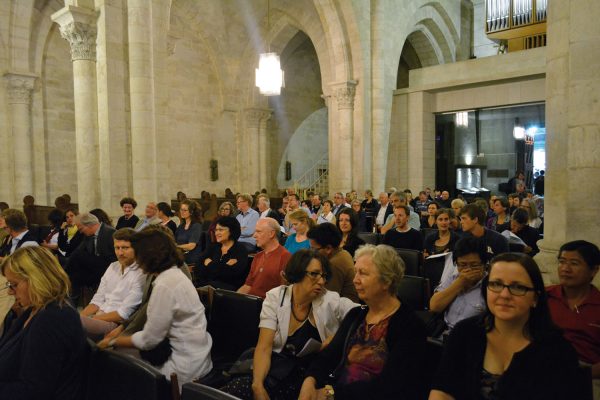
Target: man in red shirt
575 303
265 272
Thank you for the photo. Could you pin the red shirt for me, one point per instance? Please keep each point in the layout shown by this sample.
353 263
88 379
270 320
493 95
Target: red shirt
265 272
581 326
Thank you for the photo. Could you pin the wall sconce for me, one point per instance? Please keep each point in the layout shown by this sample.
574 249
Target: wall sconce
214 170
288 170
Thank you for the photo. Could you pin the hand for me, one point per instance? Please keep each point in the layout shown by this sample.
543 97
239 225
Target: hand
308 391
103 344
259 391
470 276
63 225
231 262
115 332
207 261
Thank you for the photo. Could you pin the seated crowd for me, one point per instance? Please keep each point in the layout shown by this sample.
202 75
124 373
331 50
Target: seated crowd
329 274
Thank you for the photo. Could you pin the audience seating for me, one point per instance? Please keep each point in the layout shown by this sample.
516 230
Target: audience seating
197 391
414 291
432 270
427 231
118 376
412 259
370 238
233 324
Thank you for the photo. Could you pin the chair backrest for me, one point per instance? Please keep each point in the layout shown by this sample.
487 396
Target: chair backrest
233 324
432 270
414 291
370 238
118 376
412 259
197 391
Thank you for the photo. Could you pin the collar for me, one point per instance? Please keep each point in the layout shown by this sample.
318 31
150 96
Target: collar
20 235
557 293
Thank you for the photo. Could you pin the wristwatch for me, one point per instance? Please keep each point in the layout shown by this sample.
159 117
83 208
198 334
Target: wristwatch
329 392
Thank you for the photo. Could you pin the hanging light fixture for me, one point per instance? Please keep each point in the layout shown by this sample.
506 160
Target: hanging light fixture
518 130
269 75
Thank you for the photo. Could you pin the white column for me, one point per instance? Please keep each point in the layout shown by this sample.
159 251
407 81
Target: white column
572 179
421 142
340 151
78 27
252 159
20 87
140 24
263 149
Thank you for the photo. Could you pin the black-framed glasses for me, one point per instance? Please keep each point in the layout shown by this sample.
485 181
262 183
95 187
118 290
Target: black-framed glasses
514 288
314 275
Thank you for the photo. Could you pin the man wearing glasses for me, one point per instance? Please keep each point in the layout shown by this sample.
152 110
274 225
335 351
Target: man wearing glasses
458 296
247 218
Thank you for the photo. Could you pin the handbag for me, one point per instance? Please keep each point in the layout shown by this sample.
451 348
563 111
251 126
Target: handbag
281 367
159 354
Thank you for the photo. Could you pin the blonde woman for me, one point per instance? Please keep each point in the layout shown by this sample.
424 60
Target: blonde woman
301 223
44 353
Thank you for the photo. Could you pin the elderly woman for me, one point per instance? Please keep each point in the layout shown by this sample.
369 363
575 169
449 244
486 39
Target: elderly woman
225 210
378 351
347 223
224 265
128 219
326 215
44 354
164 214
444 239
189 231
301 223
513 350
575 302
458 295
291 316
175 315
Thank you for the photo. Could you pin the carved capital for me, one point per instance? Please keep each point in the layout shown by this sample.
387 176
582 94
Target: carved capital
254 116
344 94
78 27
19 87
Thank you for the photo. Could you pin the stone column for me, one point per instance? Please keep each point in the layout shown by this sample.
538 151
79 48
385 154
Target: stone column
263 150
572 131
20 87
340 149
140 23
420 149
253 159
78 27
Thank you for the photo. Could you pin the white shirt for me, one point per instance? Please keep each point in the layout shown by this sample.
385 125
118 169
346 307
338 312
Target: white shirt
329 310
120 292
175 311
16 240
381 215
265 213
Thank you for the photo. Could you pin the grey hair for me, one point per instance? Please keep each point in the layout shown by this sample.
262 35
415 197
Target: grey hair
399 195
266 200
88 219
388 263
273 224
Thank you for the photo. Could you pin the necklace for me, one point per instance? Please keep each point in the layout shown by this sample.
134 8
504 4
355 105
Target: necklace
294 314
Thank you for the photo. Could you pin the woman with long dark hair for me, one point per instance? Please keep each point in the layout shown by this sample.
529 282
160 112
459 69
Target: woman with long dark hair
347 223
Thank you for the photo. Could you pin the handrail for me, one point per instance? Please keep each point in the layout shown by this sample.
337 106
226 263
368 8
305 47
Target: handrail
315 178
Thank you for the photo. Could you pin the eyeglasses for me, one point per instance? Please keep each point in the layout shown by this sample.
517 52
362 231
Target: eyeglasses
11 286
316 275
466 265
514 288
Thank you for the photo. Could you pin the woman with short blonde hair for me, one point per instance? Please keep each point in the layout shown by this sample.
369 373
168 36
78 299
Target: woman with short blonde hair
44 353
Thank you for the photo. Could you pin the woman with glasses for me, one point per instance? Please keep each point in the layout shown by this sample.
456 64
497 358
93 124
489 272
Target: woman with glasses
292 316
378 351
458 295
224 265
225 210
513 350
189 231
44 353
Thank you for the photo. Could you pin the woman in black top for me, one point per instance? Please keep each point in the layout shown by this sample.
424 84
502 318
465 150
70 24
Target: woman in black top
128 219
444 239
224 264
501 222
165 213
44 354
347 223
69 237
529 235
513 351
189 231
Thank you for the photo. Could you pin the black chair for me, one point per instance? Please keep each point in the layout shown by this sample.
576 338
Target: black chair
370 238
197 391
432 269
233 324
414 291
412 259
118 376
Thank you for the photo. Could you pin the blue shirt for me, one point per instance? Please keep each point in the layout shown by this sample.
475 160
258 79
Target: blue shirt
466 304
293 246
248 222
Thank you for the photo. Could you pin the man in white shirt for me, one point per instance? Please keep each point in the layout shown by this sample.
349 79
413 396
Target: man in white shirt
263 204
385 209
120 290
150 217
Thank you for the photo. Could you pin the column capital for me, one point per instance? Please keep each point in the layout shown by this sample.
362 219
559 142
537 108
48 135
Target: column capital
78 27
255 115
344 93
20 87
